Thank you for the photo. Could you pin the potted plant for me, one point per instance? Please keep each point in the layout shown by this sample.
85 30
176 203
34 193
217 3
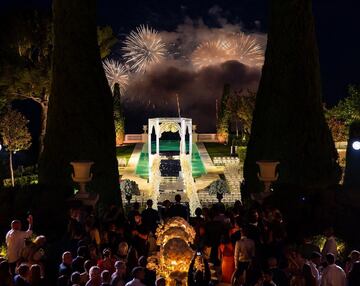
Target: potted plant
218 187
130 188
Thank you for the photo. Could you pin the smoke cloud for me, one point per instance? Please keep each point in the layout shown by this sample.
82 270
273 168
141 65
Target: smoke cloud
153 94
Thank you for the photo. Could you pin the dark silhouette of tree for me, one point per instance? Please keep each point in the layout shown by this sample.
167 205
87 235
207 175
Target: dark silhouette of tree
288 122
80 123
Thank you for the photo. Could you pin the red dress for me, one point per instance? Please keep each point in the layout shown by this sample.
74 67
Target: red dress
226 252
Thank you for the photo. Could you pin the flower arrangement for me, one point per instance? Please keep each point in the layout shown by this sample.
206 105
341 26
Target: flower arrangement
218 187
129 188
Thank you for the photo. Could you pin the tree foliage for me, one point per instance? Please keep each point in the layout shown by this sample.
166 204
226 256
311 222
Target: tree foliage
341 116
106 40
14 132
15 135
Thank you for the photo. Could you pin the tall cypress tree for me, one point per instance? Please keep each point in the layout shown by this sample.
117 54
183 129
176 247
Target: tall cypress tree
224 115
288 123
119 118
80 117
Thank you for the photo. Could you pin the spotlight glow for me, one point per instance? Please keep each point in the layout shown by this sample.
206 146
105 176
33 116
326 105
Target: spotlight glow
356 145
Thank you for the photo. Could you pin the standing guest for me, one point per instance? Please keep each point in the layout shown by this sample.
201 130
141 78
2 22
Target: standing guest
75 279
122 252
35 276
138 274
279 277
5 276
134 212
78 262
62 281
150 217
118 277
197 221
307 248
165 210
22 278
354 275
84 276
333 275
95 277
140 236
65 266
353 257
177 209
93 252
15 241
160 281
330 245
268 279
107 262
226 256
314 263
255 228
308 278
92 231
150 275
235 231
244 251
105 278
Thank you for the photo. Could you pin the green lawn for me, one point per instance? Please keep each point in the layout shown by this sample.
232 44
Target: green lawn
125 151
217 150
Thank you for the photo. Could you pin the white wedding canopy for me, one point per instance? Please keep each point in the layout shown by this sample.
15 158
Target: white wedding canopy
170 124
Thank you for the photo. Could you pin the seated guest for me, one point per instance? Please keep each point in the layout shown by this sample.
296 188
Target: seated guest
5 276
105 278
139 274
107 263
21 279
35 276
75 279
84 276
65 266
95 277
118 277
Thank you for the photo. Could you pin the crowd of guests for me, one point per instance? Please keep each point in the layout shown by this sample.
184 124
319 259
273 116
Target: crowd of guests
245 247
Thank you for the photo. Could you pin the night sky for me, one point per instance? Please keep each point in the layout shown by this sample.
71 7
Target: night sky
337 25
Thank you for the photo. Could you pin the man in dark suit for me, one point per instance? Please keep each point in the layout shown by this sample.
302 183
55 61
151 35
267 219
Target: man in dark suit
177 209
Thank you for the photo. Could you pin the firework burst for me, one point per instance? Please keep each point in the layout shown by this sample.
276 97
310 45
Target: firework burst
116 73
239 47
143 48
247 50
211 53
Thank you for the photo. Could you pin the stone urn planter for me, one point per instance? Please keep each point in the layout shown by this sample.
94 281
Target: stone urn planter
82 174
267 173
